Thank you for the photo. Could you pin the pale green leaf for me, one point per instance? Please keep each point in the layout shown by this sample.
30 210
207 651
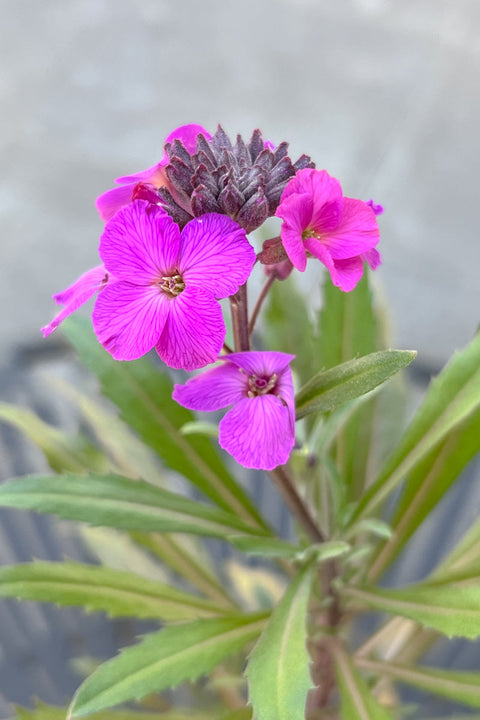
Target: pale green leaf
325 551
51 712
452 684
63 452
451 398
198 427
264 546
453 610
98 588
345 382
278 670
143 394
357 702
165 659
426 486
115 501
130 455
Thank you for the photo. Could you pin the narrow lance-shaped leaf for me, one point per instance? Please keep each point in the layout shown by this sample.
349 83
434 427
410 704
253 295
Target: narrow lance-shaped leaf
143 394
453 610
357 702
426 485
165 659
461 686
63 452
452 396
348 329
278 670
51 712
115 501
347 381
98 588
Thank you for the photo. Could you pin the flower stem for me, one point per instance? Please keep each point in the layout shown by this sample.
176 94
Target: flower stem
296 504
263 294
239 311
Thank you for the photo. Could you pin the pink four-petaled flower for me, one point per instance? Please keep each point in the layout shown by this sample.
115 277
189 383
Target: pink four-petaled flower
259 430
112 200
318 220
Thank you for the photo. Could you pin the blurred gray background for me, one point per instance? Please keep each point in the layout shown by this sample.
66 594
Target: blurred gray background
384 94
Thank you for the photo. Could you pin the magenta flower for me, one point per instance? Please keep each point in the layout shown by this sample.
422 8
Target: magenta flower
77 294
167 284
259 430
319 221
143 185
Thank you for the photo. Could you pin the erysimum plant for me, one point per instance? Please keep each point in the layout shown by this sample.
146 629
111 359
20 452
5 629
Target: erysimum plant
304 403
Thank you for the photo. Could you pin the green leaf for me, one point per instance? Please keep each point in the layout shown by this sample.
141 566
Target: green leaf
264 546
50 712
426 485
165 659
63 453
461 686
198 427
357 702
115 501
98 588
130 455
288 326
451 398
453 610
325 551
278 670
143 393
349 380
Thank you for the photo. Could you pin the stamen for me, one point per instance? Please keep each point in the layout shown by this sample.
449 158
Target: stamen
261 386
172 284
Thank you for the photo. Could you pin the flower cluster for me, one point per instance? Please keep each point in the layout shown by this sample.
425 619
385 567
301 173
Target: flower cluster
175 243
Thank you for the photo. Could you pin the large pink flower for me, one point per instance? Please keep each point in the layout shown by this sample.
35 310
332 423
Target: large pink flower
259 430
144 184
319 221
167 284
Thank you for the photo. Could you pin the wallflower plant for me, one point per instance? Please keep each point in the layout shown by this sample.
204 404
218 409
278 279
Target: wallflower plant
307 408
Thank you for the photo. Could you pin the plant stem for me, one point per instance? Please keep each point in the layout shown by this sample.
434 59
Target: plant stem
263 294
239 311
296 504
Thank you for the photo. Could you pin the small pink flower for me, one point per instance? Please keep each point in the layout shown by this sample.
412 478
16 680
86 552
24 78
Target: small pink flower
167 284
144 184
319 221
259 430
77 294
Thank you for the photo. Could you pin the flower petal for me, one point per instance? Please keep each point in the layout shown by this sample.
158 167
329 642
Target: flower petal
296 212
258 432
215 254
140 244
76 295
128 319
372 257
188 135
347 273
194 332
260 363
111 201
154 175
213 389
318 184
356 233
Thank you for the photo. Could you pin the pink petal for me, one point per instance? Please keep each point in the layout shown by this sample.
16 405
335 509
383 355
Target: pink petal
213 389
260 363
317 249
76 295
296 212
153 176
258 432
318 184
194 332
357 232
111 201
372 257
140 244
347 273
215 254
128 319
